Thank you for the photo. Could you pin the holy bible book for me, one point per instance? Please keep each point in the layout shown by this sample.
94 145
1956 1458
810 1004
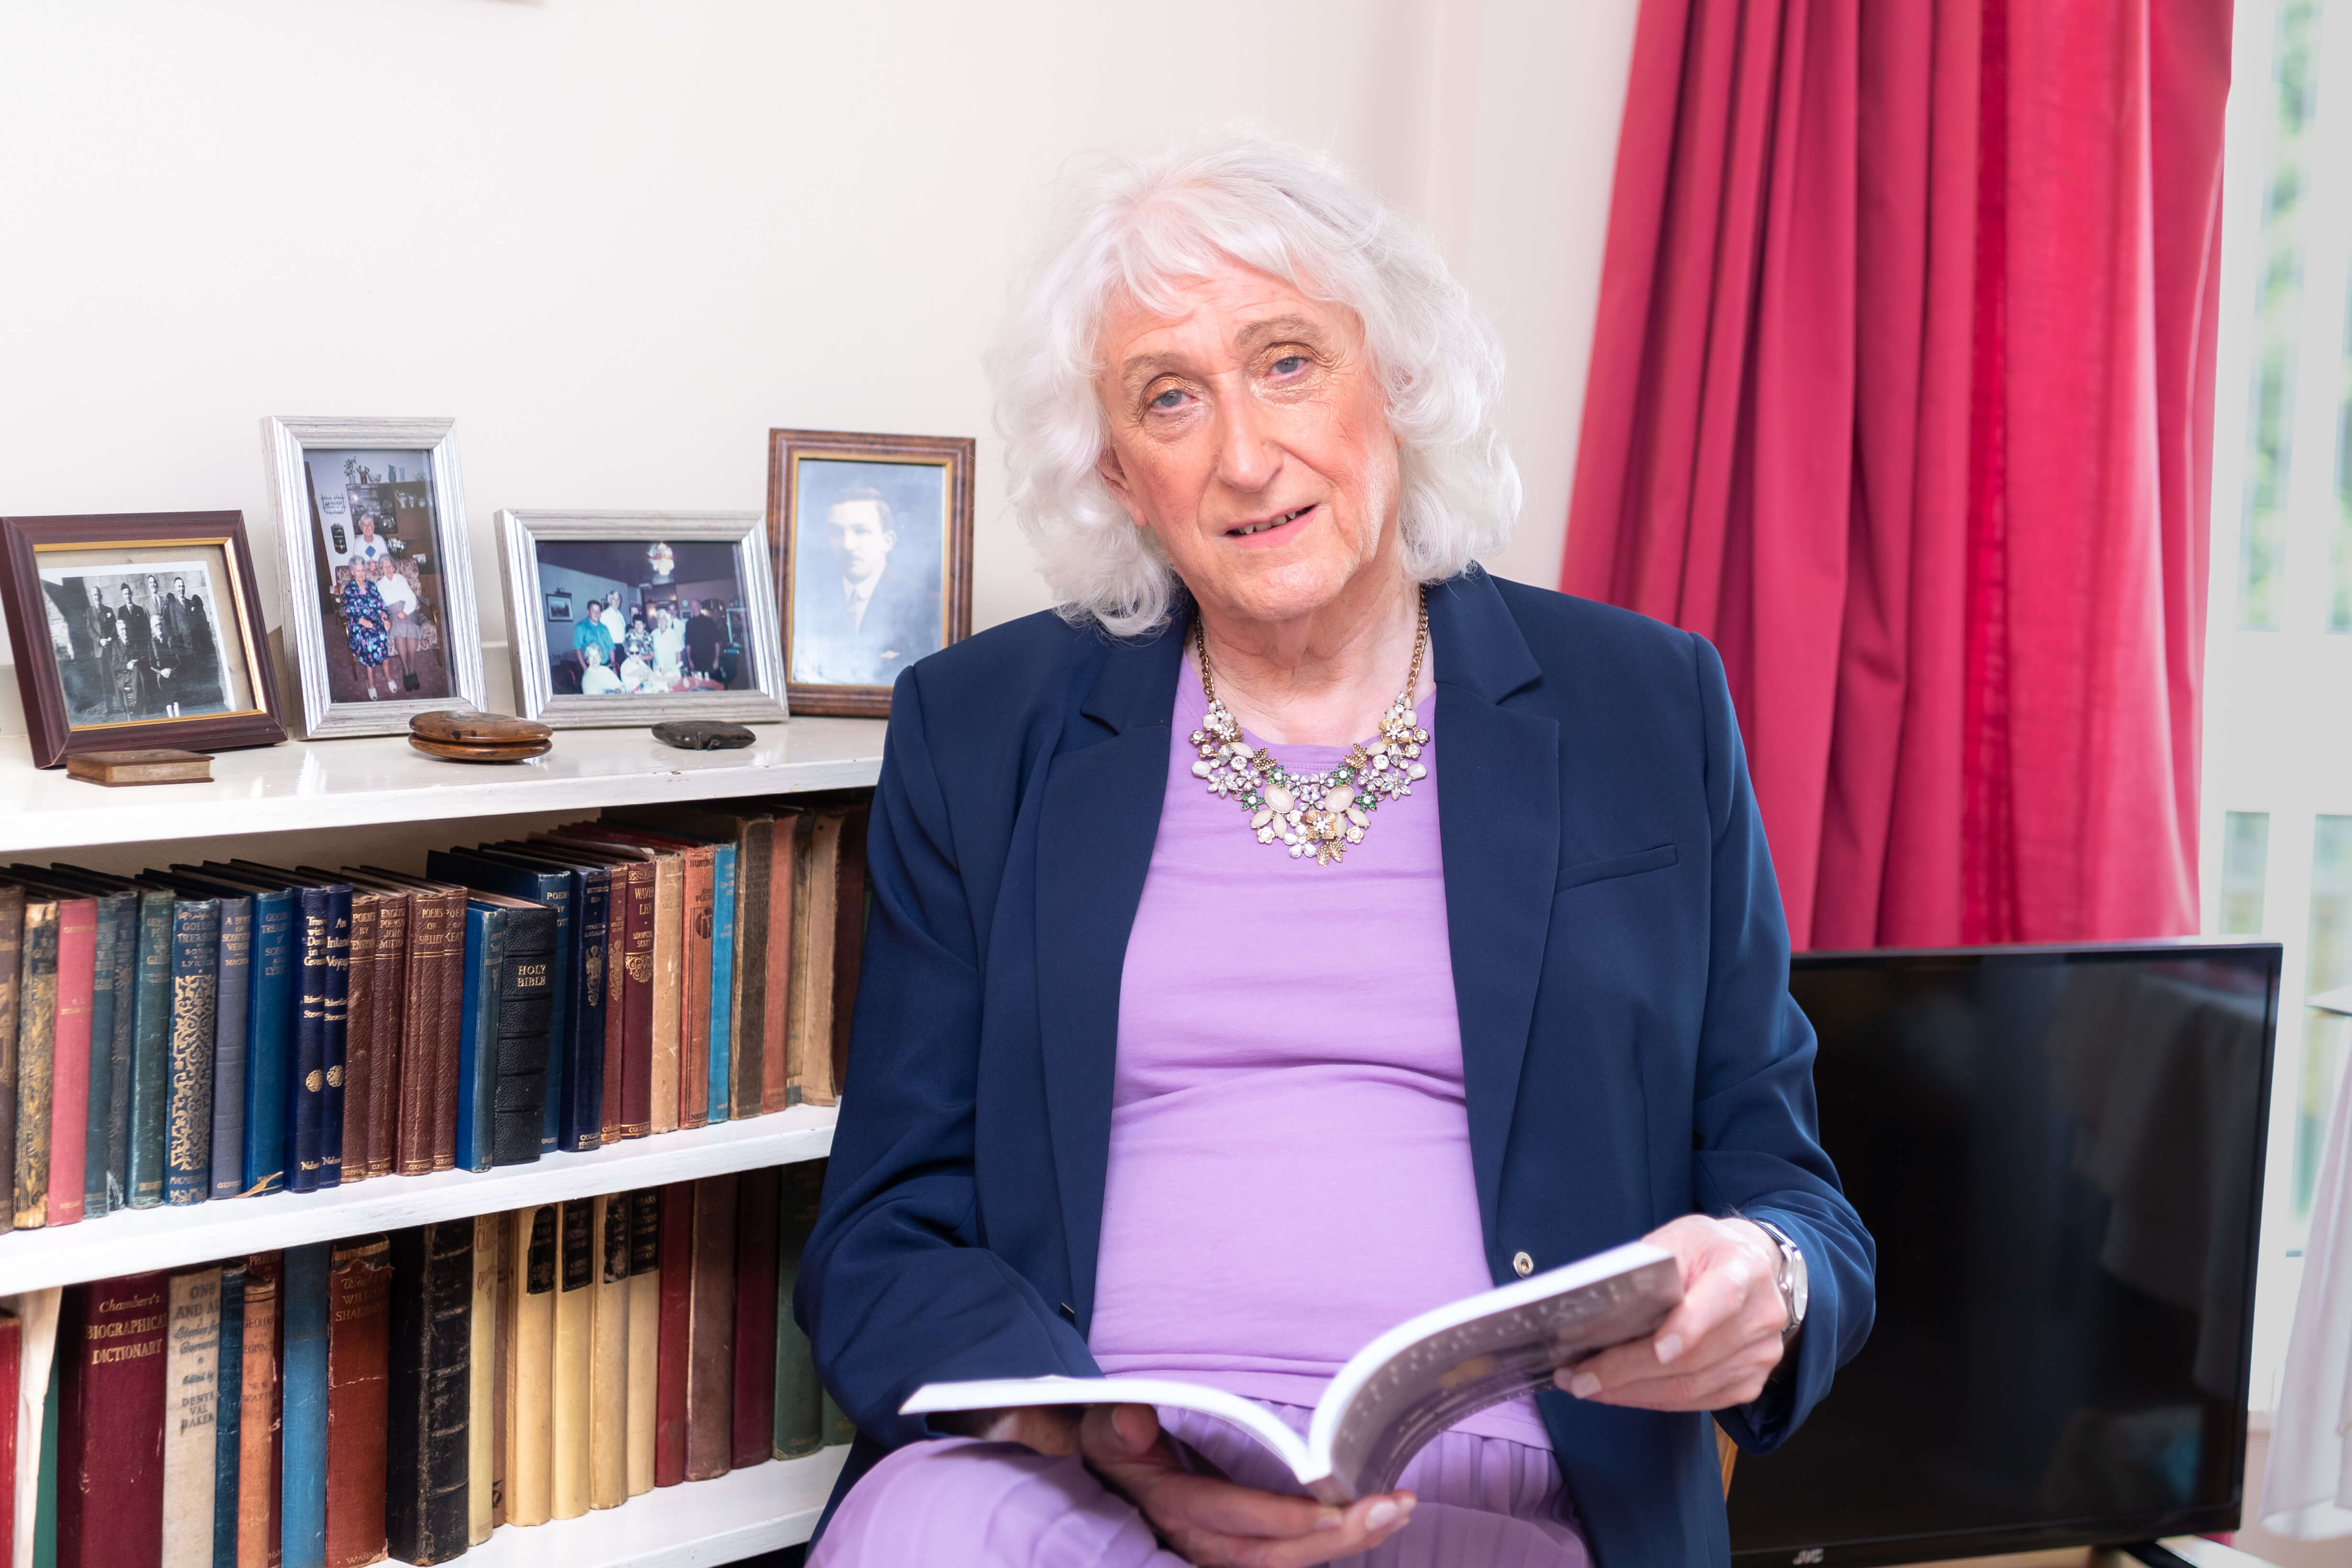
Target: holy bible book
1406 1387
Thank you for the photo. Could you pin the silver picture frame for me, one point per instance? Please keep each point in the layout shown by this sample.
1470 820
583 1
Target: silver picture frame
521 533
285 439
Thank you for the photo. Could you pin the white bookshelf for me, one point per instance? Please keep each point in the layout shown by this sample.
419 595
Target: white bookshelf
696 1524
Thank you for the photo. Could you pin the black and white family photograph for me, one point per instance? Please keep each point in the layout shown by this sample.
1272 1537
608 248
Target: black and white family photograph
643 616
380 581
140 641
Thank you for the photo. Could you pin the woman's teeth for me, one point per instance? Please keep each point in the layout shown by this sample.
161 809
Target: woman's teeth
1272 523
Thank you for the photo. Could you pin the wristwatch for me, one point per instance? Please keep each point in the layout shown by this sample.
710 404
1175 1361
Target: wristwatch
1789 1277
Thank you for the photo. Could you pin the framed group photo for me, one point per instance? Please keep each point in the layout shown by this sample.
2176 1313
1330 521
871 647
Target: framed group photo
137 630
636 618
381 620
872 540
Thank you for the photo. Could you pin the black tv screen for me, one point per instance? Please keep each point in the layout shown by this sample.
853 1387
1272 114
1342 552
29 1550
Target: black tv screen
2059 1152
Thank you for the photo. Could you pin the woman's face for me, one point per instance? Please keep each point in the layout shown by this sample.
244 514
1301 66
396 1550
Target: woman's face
1249 432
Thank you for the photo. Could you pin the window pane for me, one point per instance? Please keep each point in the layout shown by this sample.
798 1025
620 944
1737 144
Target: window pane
2245 866
2270 428
2324 1034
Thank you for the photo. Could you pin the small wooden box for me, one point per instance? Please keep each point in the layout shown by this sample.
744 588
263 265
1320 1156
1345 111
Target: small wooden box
115 768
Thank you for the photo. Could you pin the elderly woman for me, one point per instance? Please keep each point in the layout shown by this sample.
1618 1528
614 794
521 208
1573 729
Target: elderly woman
1172 1062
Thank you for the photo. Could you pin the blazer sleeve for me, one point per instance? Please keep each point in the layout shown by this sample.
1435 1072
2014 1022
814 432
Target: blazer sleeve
895 1290
1756 1132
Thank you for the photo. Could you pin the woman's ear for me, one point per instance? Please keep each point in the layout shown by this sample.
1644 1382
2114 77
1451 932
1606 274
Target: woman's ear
1114 474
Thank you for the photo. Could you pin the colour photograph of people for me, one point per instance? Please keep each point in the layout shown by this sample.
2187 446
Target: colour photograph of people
141 640
867 562
637 616
380 583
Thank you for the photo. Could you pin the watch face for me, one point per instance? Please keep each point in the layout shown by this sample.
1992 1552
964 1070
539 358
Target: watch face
1798 1290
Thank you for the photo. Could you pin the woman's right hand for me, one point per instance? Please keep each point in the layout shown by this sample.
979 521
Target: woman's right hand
1214 1522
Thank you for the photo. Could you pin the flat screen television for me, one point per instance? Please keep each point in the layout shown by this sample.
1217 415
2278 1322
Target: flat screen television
2060 1153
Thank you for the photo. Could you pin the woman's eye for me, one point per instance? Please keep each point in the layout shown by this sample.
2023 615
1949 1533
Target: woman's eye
1289 364
1167 400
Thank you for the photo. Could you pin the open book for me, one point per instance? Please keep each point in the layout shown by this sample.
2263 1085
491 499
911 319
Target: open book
1406 1387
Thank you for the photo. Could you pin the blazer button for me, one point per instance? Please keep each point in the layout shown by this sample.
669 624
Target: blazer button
1522 1265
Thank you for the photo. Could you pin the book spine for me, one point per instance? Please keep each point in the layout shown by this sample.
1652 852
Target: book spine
307 1084
449 1029
848 945
481 1378
585 1087
114 912
785 915
698 926
36 1057
195 1015
336 1038
637 1073
710 1329
70 1058
608 1354
191 1438
723 980
232 996
259 1419
303 1465
121 1053
430 1439
838 1429
389 1033
12 1365
645 1332
269 1060
523 1015
799 1417
755 852
418 1062
616 1082
359 1034
150 1050
44 1479
529 1435
12 952
359 1409
754 1397
574 1321
485 944
229 1414
669 990
110 1461
676 1317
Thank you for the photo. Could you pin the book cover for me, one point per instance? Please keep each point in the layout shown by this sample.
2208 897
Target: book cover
789 842
359 1397
228 1413
815 908
70 1058
12 949
337 1034
36 1057
574 1320
529 1436
116 955
11 1370
258 1417
697 926
481 1378
800 1419
839 1429
359 1032
477 1041
673 1336
645 1332
302 1376
190 1399
668 989
628 1003
45 1473
848 943
307 1099
592 1078
501 1316
448 1026
426 1498
150 1050
31 1421
271 1008
723 982
708 966
110 1464
493 869
518 1023
195 1001
608 1354
388 1031
420 1033
754 1396
232 1033
710 1331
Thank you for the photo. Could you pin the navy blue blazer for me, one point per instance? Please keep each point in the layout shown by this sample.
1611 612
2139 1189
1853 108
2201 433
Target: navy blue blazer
1620 965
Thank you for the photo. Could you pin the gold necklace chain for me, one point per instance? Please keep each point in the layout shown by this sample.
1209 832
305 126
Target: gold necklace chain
1313 815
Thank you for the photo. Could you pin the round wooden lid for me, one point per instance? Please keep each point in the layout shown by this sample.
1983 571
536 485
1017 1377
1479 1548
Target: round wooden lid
522 752
454 727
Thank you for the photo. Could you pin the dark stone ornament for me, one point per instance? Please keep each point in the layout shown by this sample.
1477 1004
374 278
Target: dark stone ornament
703 735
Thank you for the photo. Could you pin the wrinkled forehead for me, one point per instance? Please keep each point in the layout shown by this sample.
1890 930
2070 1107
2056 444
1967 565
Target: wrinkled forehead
1229 308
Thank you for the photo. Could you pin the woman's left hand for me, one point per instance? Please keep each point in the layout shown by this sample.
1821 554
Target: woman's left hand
1715 1349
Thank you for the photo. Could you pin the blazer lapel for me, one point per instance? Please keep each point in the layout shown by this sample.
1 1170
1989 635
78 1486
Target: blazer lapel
1096 825
1499 794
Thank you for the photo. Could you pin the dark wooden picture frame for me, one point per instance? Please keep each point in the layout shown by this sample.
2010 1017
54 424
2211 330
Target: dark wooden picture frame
857 650
47 719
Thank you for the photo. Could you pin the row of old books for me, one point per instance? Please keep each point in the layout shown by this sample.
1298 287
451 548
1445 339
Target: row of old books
407 1395
232 1029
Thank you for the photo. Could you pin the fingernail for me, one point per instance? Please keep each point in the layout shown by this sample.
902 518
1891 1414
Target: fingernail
1669 1347
1584 1386
1382 1514
1330 1519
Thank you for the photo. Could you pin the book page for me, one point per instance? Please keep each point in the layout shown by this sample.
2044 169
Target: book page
1007 1393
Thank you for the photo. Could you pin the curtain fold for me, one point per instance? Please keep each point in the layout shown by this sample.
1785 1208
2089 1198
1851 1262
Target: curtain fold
1902 394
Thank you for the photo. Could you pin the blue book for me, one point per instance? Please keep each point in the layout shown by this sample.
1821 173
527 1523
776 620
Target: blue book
195 1008
558 890
151 1048
319 992
231 1037
118 1064
477 1044
228 1409
338 1011
270 1009
302 1491
722 975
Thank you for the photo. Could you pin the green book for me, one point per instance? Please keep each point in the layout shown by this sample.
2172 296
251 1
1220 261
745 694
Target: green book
45 1492
150 1048
800 1402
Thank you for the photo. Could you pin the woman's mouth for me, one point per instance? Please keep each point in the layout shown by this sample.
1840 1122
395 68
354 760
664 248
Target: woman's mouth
1268 525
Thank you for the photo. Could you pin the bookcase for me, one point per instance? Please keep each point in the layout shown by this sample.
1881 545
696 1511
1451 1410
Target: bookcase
380 790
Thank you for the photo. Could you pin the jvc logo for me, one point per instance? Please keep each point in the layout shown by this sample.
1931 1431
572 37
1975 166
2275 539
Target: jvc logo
1809 1555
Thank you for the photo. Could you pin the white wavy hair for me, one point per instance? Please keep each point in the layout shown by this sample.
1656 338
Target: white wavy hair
1134 229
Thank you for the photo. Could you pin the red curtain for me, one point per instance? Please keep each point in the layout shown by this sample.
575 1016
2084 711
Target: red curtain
1902 394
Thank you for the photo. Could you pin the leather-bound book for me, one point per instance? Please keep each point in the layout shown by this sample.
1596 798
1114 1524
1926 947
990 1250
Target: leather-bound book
608 1355
36 1059
530 1436
359 1397
629 983
645 1332
575 1323
272 1005
302 1379
323 1022
257 1417
485 942
232 1037
428 1456
111 1344
413 1094
522 1017
191 1390
448 1020
150 1050
675 1334
70 1058
196 1031
710 1331
12 1362
339 1018
669 988
838 1427
389 1034
481 1378
800 1419
228 1413
12 953
754 1398
359 1030
720 1052
810 1048
704 1009
113 965
848 941
572 1086
788 844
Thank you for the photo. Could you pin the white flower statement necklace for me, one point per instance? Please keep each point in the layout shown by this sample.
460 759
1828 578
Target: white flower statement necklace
1314 815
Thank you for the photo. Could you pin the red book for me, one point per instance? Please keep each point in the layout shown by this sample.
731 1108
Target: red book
677 1305
710 1331
359 1397
756 1200
11 1364
111 1423
70 1074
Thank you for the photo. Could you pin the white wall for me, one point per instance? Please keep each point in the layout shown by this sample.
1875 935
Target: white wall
619 241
